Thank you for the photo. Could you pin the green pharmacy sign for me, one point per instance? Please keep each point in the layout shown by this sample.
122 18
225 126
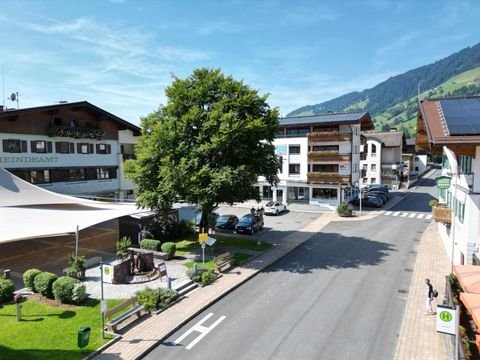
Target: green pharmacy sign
443 182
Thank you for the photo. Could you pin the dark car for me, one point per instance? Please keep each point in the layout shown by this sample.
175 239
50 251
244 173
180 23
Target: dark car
378 194
249 223
368 202
226 222
212 219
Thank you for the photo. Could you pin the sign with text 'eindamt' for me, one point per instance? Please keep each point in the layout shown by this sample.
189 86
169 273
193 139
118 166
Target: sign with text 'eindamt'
443 182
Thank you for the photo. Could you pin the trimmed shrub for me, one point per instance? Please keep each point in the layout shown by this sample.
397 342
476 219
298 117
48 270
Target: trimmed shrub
147 298
150 244
43 283
79 293
344 209
207 277
169 248
165 297
70 272
28 278
62 289
7 287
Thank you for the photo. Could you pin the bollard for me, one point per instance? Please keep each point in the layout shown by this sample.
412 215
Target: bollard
6 273
18 299
195 269
169 282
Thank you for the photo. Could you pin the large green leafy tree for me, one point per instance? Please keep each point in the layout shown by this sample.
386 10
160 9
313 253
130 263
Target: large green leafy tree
207 145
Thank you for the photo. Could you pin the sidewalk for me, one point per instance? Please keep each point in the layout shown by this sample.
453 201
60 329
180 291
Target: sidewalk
418 337
148 333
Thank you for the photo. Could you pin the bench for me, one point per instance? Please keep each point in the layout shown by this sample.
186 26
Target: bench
223 261
113 323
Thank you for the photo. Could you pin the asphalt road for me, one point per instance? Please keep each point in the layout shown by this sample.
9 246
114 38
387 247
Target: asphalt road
341 295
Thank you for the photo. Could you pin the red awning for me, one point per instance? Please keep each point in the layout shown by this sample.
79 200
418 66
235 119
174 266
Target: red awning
469 278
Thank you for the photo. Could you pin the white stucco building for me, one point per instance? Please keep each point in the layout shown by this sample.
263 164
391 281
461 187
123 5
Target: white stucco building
320 157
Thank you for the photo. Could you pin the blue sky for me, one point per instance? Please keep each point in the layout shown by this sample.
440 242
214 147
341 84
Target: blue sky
120 54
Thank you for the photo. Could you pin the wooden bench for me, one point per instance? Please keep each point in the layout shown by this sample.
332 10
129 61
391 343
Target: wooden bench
223 261
113 323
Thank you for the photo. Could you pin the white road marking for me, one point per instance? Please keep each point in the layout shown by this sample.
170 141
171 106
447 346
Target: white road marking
198 327
420 216
389 213
404 215
412 215
396 213
429 216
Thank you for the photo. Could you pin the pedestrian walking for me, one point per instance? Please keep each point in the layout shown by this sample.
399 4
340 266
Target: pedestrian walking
428 297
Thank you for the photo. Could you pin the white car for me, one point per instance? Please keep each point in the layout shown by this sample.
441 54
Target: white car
275 208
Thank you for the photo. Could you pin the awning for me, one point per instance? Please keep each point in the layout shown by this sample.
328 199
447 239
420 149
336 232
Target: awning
27 211
472 303
469 277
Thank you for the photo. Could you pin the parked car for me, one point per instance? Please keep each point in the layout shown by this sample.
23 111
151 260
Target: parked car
212 219
368 202
226 222
249 223
275 208
378 194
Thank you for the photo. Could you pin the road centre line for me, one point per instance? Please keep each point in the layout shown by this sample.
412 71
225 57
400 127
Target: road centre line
198 327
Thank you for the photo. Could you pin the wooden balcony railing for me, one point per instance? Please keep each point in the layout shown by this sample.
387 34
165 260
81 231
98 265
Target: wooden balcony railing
328 155
328 136
327 178
441 213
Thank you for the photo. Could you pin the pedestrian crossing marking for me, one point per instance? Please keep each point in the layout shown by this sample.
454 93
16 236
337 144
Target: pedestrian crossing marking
410 215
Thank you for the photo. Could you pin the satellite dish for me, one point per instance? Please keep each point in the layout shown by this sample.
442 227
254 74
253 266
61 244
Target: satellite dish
13 97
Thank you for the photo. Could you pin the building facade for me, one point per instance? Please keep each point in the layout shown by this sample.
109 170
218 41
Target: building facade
70 148
381 158
320 158
451 127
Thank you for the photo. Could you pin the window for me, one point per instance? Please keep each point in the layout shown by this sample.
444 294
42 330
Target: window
465 164
280 133
294 169
325 129
318 193
57 121
104 149
74 174
40 176
365 167
297 132
374 150
374 167
280 159
294 149
41 146
84 148
106 173
324 168
14 146
63 147
325 148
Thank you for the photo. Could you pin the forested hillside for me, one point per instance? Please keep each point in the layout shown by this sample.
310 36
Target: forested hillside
394 100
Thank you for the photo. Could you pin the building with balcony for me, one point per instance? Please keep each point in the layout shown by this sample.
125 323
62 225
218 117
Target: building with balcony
69 148
381 158
320 158
451 126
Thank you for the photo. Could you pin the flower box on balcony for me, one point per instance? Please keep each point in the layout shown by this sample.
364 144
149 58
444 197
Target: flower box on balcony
441 213
75 132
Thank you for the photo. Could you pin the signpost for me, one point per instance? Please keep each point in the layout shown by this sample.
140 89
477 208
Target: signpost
202 239
448 321
162 268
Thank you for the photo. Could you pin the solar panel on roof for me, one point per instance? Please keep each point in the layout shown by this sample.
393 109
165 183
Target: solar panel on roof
462 116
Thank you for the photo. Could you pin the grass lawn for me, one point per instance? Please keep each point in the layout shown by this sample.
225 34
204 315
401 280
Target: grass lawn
49 332
189 244
238 259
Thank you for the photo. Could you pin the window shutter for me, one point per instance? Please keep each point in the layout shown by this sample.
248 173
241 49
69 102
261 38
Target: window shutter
109 149
49 146
79 148
97 146
33 146
57 147
72 148
5 146
24 146
90 149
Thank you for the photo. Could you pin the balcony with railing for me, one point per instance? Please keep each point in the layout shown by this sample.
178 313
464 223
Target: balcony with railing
75 132
328 156
327 178
441 213
321 136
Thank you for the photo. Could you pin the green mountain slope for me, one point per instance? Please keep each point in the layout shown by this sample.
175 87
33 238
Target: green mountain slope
392 102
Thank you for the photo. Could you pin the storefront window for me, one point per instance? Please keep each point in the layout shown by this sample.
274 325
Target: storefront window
326 194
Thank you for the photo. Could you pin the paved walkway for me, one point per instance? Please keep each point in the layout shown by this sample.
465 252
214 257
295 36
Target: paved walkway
418 337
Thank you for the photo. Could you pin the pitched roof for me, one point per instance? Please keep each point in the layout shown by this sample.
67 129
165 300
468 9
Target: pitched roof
334 118
452 120
85 105
388 139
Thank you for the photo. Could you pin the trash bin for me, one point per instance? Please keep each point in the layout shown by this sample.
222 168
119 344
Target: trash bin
83 336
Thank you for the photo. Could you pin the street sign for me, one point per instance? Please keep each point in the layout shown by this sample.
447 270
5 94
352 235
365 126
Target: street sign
210 241
443 182
202 238
203 245
446 320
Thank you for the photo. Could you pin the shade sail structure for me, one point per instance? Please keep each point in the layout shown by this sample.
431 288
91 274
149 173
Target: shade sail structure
27 211
469 277
472 303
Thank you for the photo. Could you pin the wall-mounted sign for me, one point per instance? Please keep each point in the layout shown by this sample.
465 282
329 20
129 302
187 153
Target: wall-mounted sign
28 159
443 182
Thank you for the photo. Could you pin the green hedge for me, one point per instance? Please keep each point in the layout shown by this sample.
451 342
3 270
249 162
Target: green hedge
165 297
43 283
150 244
169 248
62 289
29 277
147 298
7 287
